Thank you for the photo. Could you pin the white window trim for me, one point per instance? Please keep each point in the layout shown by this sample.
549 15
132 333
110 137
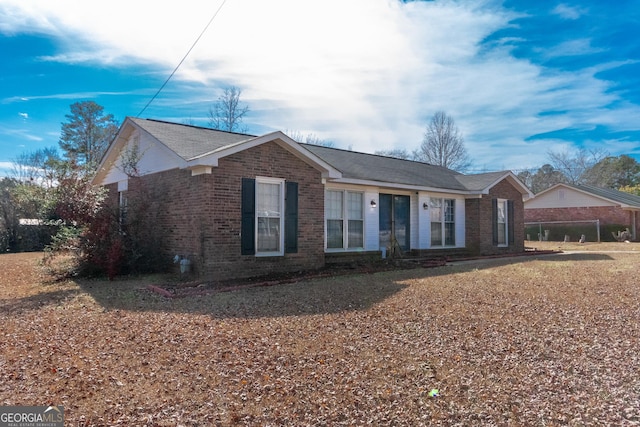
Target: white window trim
345 223
278 181
443 222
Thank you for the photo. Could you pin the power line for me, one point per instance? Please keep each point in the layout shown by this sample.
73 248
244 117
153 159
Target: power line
182 60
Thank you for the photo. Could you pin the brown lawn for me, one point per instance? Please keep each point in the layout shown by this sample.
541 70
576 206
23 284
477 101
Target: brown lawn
550 340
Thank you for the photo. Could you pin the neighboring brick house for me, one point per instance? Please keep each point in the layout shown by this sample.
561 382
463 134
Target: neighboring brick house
567 202
238 205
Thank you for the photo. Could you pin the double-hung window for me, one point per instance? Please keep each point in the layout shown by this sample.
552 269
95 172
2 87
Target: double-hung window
449 222
344 213
443 221
269 218
503 222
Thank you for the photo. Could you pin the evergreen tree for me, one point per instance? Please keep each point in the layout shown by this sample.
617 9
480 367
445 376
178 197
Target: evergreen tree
87 133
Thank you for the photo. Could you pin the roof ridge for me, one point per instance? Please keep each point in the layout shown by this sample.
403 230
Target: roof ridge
192 126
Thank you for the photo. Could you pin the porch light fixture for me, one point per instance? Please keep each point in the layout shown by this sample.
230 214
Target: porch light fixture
373 203
425 206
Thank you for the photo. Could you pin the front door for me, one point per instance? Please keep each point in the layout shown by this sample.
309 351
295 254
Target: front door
394 221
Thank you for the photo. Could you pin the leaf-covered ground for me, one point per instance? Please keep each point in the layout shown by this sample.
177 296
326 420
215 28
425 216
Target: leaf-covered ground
541 341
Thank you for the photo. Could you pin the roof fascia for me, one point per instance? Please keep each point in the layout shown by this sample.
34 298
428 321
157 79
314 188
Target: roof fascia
393 185
212 158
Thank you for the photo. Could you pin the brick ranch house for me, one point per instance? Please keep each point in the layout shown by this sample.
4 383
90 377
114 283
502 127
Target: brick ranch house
237 205
567 202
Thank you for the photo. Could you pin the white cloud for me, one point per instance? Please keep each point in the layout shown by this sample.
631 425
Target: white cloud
24 115
70 95
20 133
566 11
363 73
575 47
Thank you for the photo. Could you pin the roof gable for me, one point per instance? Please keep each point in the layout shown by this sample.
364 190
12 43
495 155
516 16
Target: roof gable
189 141
483 182
604 195
211 158
190 147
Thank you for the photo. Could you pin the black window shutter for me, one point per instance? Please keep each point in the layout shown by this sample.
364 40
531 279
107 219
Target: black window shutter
511 221
291 217
247 233
494 220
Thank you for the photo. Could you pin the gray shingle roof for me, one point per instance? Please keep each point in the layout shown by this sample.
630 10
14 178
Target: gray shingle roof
480 181
608 193
189 141
371 167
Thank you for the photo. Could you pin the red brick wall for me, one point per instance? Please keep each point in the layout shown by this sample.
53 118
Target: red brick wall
606 214
479 227
200 216
112 195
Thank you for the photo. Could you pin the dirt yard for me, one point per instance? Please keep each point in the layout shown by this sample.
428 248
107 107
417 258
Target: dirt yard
536 341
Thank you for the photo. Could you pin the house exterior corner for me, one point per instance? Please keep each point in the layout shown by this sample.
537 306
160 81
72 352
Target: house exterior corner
486 233
200 217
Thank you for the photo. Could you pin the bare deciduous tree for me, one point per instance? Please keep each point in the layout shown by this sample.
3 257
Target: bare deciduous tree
576 166
309 138
37 167
396 153
227 113
443 144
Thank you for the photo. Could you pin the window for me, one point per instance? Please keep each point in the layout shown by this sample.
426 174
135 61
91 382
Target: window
443 221
122 207
123 201
355 215
503 222
269 217
344 213
334 214
449 222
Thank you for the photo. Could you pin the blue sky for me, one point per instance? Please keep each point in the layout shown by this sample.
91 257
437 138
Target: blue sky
520 78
